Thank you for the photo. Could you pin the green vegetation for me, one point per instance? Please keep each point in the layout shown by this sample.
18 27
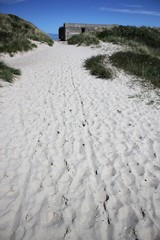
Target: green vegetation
97 67
143 58
83 38
16 34
7 73
141 65
144 38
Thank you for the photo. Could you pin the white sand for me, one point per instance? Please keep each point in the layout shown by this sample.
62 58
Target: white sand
80 156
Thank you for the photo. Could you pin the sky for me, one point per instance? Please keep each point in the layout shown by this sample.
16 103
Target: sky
49 15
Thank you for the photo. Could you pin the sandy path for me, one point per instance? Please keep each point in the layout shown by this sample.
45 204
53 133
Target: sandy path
80 158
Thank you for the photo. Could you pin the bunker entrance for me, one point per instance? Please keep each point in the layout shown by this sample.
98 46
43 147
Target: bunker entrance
83 30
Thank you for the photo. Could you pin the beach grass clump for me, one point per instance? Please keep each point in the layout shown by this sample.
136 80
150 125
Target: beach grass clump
97 67
83 39
8 73
16 34
141 65
146 35
146 39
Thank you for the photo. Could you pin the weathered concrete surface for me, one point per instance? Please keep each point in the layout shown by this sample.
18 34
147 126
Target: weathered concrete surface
70 29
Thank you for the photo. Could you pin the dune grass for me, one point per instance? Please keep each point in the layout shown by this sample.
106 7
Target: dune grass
7 73
83 38
97 67
16 34
145 39
141 65
143 58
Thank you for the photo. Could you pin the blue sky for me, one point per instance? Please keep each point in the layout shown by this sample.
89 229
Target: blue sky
49 15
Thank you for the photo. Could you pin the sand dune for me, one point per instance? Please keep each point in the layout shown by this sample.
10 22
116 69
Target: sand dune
80 156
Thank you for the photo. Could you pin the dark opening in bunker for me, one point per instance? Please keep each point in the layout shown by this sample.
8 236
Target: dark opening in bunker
83 30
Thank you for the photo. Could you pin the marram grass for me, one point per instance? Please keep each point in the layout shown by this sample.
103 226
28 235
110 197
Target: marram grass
8 73
16 34
83 39
97 67
132 36
141 65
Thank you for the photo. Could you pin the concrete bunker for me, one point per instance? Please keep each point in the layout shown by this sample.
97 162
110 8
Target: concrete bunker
70 29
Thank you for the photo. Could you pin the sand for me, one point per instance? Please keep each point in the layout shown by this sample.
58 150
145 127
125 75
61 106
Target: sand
80 156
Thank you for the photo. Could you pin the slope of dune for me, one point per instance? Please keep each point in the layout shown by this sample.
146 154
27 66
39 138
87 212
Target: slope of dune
17 33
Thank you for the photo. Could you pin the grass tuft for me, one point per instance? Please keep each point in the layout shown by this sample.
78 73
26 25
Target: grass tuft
97 68
141 65
83 38
7 73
